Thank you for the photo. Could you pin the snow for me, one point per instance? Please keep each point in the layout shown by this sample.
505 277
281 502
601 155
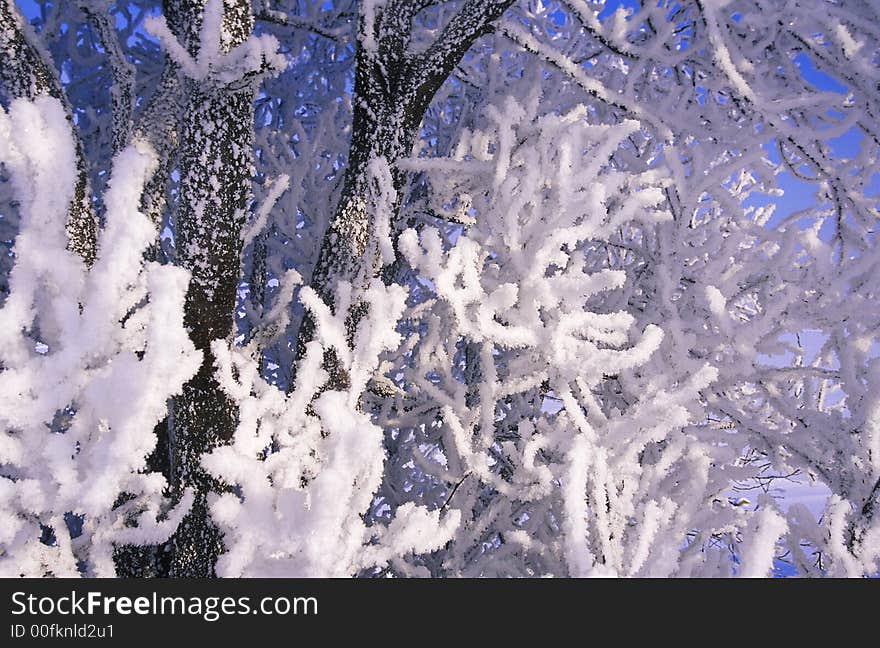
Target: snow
113 334
257 54
716 300
758 546
327 457
612 315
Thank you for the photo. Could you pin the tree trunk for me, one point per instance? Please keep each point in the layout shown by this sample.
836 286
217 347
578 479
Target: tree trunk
393 89
215 167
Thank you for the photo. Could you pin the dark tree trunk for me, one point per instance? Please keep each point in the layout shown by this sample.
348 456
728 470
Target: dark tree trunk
393 89
216 156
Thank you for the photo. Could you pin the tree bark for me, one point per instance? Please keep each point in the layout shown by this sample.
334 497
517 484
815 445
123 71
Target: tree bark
392 91
216 158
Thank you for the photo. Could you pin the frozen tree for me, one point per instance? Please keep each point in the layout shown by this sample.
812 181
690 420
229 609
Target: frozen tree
439 287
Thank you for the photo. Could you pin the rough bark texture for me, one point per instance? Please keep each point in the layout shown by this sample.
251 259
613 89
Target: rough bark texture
393 88
158 124
26 71
122 91
215 168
